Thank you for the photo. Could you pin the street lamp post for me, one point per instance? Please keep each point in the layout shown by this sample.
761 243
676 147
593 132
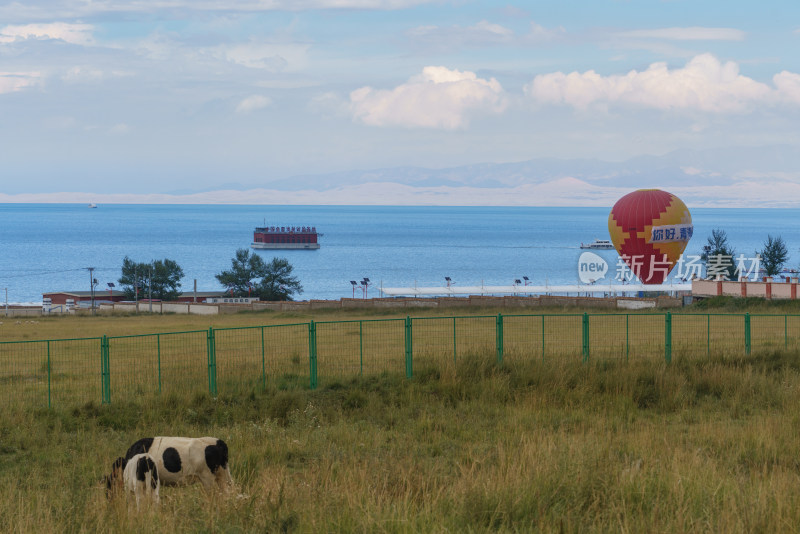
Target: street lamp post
365 283
92 283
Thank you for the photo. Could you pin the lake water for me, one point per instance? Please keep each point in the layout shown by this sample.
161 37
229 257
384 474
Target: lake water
47 247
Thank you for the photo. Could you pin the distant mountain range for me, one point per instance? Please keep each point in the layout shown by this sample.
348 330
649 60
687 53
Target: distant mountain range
727 177
756 177
718 167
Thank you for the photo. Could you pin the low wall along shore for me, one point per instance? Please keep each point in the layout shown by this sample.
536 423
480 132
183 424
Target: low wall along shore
384 303
768 288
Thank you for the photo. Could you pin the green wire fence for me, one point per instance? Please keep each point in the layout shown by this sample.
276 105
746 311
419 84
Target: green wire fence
70 372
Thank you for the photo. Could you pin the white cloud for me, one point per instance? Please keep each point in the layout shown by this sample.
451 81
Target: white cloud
329 104
80 34
119 129
482 33
274 57
253 103
788 84
694 33
492 29
46 10
16 81
437 98
83 74
539 33
704 84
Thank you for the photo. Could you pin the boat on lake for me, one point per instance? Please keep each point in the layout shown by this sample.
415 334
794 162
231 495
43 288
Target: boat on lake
285 237
599 244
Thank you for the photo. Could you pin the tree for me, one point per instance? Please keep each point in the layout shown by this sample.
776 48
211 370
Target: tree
279 284
718 255
250 275
246 270
160 279
774 255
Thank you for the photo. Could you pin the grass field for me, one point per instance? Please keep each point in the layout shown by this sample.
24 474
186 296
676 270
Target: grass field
68 361
538 444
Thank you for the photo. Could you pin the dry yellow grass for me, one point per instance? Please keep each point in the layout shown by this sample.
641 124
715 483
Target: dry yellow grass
60 361
554 445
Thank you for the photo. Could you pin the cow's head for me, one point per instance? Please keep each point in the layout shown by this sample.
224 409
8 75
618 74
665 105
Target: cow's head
114 480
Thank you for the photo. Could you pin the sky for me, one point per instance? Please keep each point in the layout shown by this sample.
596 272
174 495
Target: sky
179 97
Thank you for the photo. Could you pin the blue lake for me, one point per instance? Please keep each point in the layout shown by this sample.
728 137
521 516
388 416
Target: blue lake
47 247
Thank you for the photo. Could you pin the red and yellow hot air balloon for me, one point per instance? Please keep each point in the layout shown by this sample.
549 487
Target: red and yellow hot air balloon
650 229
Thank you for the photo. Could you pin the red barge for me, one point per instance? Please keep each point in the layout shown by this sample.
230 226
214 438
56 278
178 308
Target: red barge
285 237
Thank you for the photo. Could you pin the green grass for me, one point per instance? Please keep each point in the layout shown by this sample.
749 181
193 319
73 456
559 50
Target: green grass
534 445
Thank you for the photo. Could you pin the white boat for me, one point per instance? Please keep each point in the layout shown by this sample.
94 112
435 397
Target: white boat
92 205
601 244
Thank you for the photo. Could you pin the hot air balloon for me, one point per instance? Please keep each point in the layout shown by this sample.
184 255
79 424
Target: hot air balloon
650 229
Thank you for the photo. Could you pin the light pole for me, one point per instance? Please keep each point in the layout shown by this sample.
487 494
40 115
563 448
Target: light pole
354 284
364 286
92 282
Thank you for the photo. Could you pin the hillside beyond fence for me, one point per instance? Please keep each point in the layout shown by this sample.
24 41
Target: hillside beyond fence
72 372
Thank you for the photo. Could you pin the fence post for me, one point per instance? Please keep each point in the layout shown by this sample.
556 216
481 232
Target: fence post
312 354
409 348
105 393
585 337
668 337
212 363
499 336
747 333
103 370
49 385
108 371
542 338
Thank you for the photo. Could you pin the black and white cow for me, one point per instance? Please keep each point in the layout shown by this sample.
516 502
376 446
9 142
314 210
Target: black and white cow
187 460
140 477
